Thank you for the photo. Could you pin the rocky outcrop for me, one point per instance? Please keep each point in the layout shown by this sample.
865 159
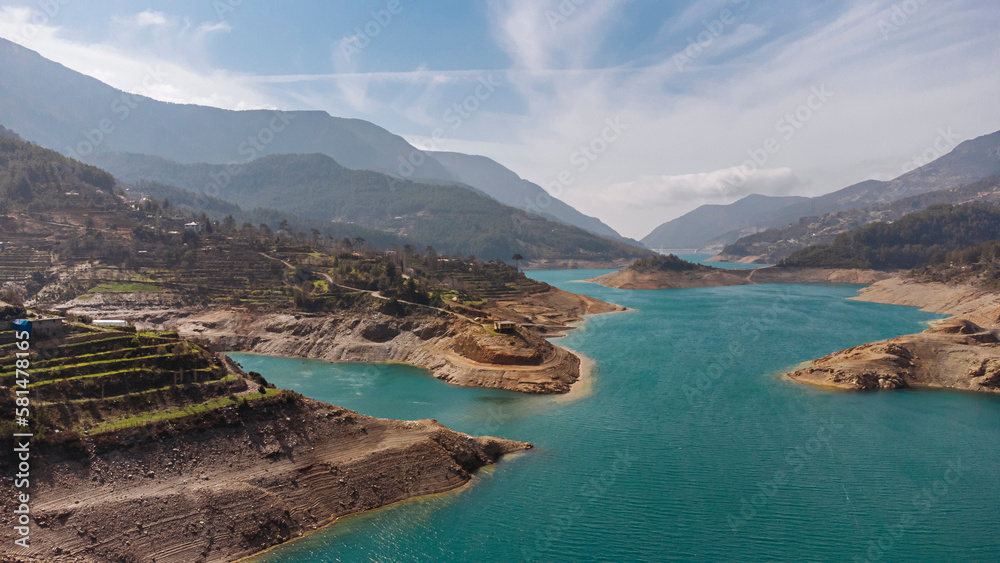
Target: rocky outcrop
954 353
452 347
234 481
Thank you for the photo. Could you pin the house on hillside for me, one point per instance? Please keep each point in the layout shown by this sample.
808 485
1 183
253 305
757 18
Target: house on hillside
47 325
192 226
504 326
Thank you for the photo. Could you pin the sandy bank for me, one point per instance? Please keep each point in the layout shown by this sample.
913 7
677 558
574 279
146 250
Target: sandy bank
976 304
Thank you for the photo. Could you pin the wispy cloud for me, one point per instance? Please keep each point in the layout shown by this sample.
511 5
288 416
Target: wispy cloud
127 64
142 19
687 127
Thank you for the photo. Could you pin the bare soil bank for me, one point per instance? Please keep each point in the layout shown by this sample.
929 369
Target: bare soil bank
453 348
632 279
234 481
962 352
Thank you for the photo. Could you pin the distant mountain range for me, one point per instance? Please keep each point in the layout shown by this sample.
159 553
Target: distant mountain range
81 117
970 161
507 187
693 229
447 215
773 245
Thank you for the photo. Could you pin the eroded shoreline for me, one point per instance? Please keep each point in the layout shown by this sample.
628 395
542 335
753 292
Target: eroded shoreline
961 352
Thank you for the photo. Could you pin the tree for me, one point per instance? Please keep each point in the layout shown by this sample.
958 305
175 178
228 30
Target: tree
517 261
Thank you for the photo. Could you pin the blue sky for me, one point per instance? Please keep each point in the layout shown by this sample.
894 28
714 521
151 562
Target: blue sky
633 111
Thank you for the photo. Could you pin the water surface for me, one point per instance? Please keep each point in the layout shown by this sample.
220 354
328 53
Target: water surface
690 446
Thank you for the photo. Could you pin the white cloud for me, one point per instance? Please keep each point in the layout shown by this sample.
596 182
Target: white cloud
130 68
146 18
686 127
719 186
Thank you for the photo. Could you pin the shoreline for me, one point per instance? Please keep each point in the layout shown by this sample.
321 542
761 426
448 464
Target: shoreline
718 277
957 353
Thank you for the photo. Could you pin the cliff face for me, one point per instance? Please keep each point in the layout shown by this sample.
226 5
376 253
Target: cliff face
236 481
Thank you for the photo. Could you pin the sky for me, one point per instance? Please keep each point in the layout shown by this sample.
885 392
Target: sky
632 111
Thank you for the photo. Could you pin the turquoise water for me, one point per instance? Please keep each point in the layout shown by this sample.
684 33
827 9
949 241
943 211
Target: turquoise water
689 447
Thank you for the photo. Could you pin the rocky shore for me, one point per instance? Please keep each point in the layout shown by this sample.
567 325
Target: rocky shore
961 352
454 348
235 481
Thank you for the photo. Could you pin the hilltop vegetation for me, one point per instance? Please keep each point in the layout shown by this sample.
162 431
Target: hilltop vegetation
773 245
144 246
920 239
668 263
43 180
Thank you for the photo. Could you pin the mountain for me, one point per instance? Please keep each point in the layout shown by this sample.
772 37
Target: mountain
693 229
450 217
917 239
970 161
507 187
773 245
4 132
64 110
218 209
82 117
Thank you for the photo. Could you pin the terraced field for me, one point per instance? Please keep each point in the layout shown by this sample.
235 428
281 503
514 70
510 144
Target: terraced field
17 263
85 380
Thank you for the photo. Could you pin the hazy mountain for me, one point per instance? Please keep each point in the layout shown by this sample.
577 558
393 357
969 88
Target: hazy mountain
970 161
693 229
450 217
4 132
773 245
64 110
507 187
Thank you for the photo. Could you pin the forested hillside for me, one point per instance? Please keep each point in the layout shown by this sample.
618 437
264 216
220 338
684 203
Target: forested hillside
450 217
919 239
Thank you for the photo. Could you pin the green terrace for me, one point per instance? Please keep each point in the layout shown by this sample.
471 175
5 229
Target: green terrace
84 381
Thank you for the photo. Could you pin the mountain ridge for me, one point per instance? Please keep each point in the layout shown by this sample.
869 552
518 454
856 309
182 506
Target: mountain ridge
970 161
82 117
